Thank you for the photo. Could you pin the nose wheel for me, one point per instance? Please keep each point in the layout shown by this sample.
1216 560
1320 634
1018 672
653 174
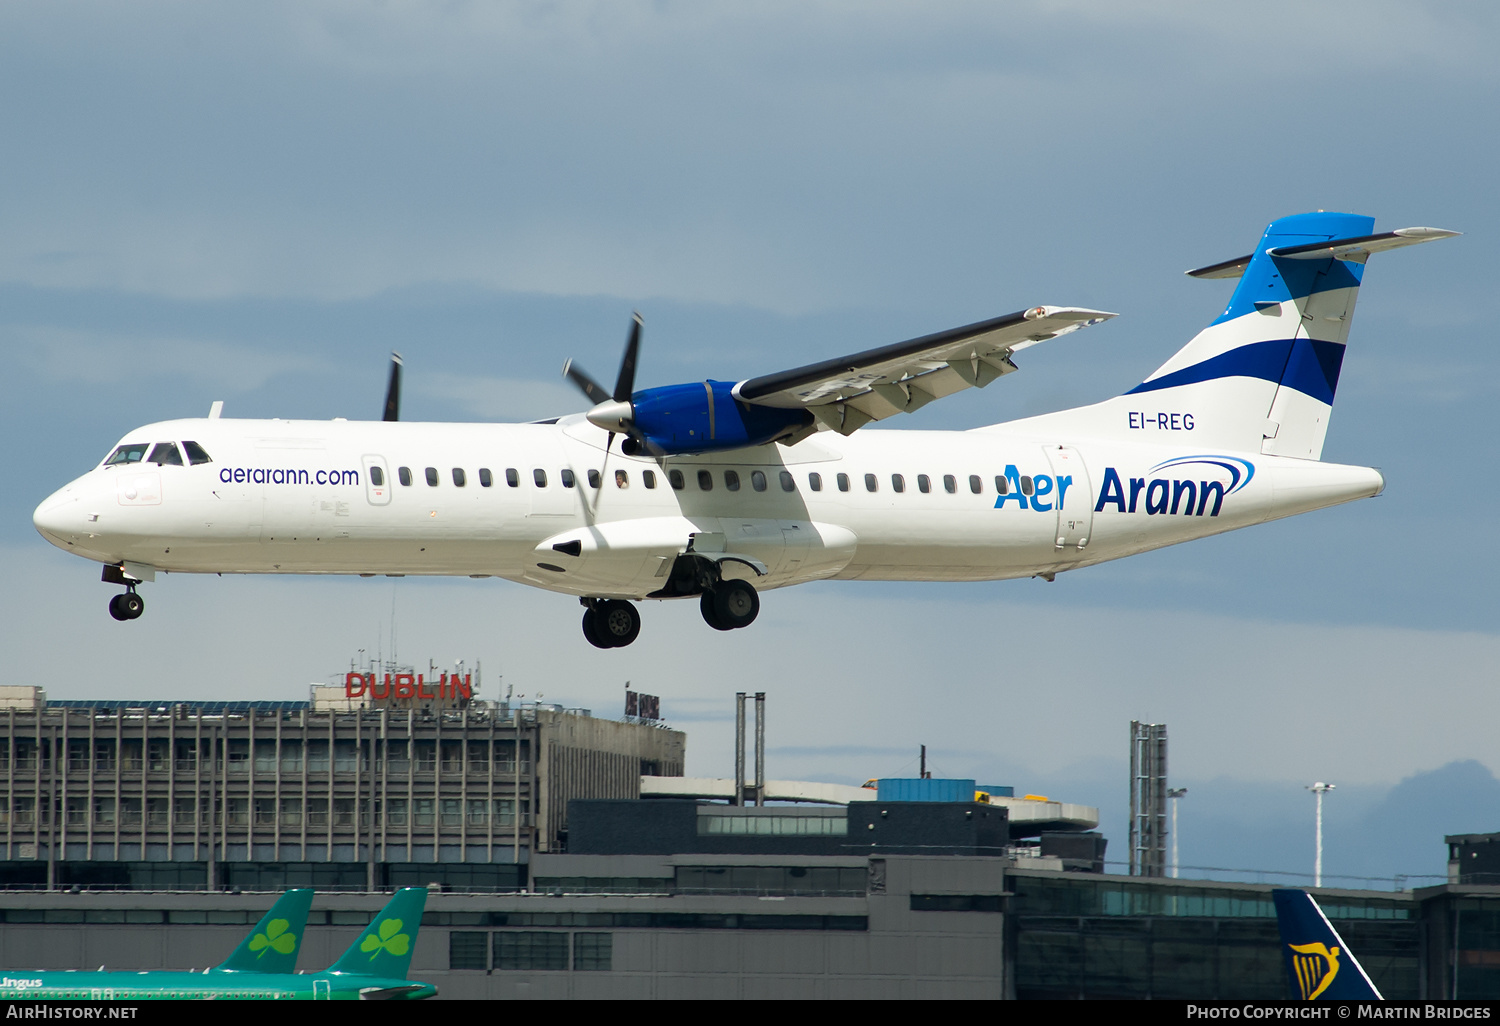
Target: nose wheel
610 623
128 606
730 606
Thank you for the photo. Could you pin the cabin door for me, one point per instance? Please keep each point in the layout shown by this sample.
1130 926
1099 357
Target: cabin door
1072 497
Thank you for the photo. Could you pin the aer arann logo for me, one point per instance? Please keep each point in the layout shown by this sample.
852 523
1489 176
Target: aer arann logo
1315 966
388 938
276 938
1199 495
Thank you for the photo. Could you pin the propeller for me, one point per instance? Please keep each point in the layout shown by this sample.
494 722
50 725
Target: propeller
613 410
393 390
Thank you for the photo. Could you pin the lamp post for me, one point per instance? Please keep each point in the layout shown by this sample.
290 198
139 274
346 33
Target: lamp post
1175 793
1319 789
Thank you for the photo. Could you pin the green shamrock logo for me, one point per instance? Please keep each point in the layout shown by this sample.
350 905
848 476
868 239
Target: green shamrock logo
390 939
274 939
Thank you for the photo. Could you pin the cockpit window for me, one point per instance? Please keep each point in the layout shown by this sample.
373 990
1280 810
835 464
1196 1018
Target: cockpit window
133 452
195 453
166 452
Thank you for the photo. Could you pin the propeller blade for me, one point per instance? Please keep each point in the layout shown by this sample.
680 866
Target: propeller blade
393 390
590 387
625 383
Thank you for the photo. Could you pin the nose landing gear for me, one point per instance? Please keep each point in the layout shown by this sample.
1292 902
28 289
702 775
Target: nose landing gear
128 606
610 623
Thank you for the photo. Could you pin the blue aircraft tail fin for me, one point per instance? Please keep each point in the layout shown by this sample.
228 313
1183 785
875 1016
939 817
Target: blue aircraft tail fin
1319 965
385 948
273 946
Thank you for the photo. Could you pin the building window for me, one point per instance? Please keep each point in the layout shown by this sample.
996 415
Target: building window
395 809
104 811
130 811
531 950
156 812
396 761
187 756
265 812
185 812
238 757
78 811
345 757
479 756
265 757
78 756
291 812
453 756
505 812
291 756
426 756
468 950
317 812
421 812
236 811
317 756
452 812
479 812
593 952
343 812
157 757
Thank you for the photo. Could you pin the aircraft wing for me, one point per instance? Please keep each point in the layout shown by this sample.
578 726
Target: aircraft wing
849 392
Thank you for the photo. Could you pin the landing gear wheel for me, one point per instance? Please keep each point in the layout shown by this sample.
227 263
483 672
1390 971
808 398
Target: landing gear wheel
128 606
611 624
617 622
591 630
710 616
736 604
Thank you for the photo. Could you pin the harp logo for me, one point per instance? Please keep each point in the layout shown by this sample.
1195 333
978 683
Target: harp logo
1315 966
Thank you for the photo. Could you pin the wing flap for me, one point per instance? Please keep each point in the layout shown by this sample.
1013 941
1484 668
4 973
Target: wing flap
850 391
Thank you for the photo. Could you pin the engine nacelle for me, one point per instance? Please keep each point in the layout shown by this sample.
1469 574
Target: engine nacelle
704 416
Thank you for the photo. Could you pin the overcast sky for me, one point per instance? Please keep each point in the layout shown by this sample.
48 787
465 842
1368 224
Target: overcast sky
257 202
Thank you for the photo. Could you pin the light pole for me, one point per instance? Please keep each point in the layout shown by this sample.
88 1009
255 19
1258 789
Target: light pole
1319 789
1175 793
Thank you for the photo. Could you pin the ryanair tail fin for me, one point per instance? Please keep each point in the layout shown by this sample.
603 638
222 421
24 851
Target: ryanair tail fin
1319 965
384 949
274 944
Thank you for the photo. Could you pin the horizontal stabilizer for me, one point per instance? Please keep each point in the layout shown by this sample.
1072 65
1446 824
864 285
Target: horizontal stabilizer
1357 250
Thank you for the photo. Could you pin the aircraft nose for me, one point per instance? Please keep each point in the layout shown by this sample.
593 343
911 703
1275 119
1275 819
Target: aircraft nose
60 518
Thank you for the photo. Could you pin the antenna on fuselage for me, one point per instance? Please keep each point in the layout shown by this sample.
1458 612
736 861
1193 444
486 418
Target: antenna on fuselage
393 390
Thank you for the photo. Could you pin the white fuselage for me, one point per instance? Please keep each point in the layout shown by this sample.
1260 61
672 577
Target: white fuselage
302 497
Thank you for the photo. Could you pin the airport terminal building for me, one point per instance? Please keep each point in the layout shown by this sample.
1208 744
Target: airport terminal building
568 857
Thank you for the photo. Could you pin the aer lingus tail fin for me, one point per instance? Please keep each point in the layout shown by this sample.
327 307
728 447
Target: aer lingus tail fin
274 944
384 949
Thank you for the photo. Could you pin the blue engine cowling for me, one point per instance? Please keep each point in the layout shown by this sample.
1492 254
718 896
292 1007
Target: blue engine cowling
706 417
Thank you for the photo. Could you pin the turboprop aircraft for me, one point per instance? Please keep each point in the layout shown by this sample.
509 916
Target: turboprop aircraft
374 967
717 490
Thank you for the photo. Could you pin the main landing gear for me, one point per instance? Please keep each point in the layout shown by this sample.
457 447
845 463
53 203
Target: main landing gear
128 606
730 605
610 623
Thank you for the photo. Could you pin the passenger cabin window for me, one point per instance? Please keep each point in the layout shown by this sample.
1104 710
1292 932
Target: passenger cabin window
674 478
1027 488
485 478
432 477
705 481
898 483
166 453
870 483
593 479
843 482
787 484
459 480
950 484
512 478
757 480
1002 485
622 479
975 484
132 453
377 476
403 474
732 480
648 478
815 481
568 481
195 453
924 483
540 477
